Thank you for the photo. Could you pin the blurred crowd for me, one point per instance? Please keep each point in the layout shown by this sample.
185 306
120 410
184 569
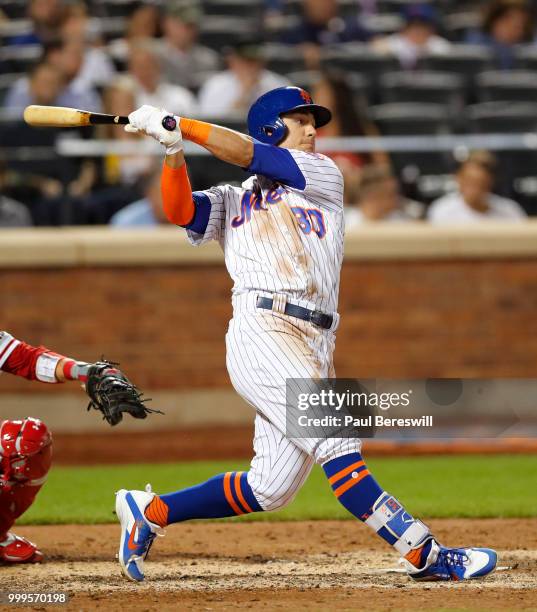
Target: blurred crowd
384 67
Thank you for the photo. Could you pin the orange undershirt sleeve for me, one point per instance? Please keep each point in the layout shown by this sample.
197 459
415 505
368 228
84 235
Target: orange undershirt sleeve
177 195
194 130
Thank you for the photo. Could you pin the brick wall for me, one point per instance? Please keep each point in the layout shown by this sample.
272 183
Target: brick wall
461 318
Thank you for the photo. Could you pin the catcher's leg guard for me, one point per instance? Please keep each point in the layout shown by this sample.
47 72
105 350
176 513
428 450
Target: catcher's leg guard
20 494
16 549
14 503
29 475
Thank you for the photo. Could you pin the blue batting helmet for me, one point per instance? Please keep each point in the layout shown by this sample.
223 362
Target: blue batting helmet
264 118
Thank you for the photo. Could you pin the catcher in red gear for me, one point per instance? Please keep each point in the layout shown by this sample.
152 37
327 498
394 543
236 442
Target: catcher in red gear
26 445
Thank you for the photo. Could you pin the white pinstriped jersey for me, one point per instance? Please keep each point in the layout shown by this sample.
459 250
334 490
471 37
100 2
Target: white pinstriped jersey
287 240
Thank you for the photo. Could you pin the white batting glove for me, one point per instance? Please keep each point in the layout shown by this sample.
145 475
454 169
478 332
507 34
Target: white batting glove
148 120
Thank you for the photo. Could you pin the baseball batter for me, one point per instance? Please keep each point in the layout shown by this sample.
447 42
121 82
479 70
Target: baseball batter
282 236
26 445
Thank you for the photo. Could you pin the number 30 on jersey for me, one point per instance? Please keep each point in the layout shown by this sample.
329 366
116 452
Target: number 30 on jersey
310 219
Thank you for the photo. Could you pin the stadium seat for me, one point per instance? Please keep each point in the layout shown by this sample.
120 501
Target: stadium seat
466 60
222 31
291 8
110 28
423 86
406 119
502 117
456 25
410 118
283 58
358 83
237 8
19 58
396 6
501 85
382 24
304 78
526 57
358 58
115 8
14 9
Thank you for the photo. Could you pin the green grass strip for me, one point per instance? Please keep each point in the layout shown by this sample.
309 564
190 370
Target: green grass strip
438 486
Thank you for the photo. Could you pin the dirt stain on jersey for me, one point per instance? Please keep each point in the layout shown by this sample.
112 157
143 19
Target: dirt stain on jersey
300 256
265 230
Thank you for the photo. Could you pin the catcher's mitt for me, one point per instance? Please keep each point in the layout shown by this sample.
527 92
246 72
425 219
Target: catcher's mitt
111 392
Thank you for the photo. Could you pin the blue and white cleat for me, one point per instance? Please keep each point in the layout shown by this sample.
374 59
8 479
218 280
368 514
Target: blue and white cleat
137 533
453 563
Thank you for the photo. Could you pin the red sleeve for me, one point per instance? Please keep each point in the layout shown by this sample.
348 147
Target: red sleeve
22 360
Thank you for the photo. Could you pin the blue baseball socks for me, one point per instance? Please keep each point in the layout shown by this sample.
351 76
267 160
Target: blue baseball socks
361 495
223 495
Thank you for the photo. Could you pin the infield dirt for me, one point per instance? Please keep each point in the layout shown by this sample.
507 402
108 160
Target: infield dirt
322 565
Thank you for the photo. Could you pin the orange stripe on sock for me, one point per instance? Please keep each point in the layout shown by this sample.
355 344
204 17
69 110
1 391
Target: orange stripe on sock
350 483
339 475
229 496
238 491
157 512
414 556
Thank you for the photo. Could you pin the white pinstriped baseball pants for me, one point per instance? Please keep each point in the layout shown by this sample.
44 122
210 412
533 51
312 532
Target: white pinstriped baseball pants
265 348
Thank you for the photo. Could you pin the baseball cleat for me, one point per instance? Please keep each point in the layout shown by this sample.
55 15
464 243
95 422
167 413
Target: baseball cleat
454 563
137 533
16 549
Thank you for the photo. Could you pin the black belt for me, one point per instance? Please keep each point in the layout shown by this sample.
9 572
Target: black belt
313 316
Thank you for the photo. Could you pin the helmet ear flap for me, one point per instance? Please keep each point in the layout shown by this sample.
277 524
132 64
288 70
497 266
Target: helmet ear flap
275 132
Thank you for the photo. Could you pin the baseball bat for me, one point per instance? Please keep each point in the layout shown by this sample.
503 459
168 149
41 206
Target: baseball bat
58 116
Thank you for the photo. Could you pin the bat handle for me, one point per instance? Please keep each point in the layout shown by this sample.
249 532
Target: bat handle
169 123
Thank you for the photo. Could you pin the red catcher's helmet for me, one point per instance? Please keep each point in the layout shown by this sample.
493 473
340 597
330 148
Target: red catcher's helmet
23 438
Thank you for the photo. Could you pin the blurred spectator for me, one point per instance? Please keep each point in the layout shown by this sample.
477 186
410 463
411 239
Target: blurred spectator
12 213
333 91
43 86
46 17
121 178
184 61
147 212
97 69
506 23
380 200
53 82
126 171
145 70
143 25
234 90
321 25
417 38
68 56
474 201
